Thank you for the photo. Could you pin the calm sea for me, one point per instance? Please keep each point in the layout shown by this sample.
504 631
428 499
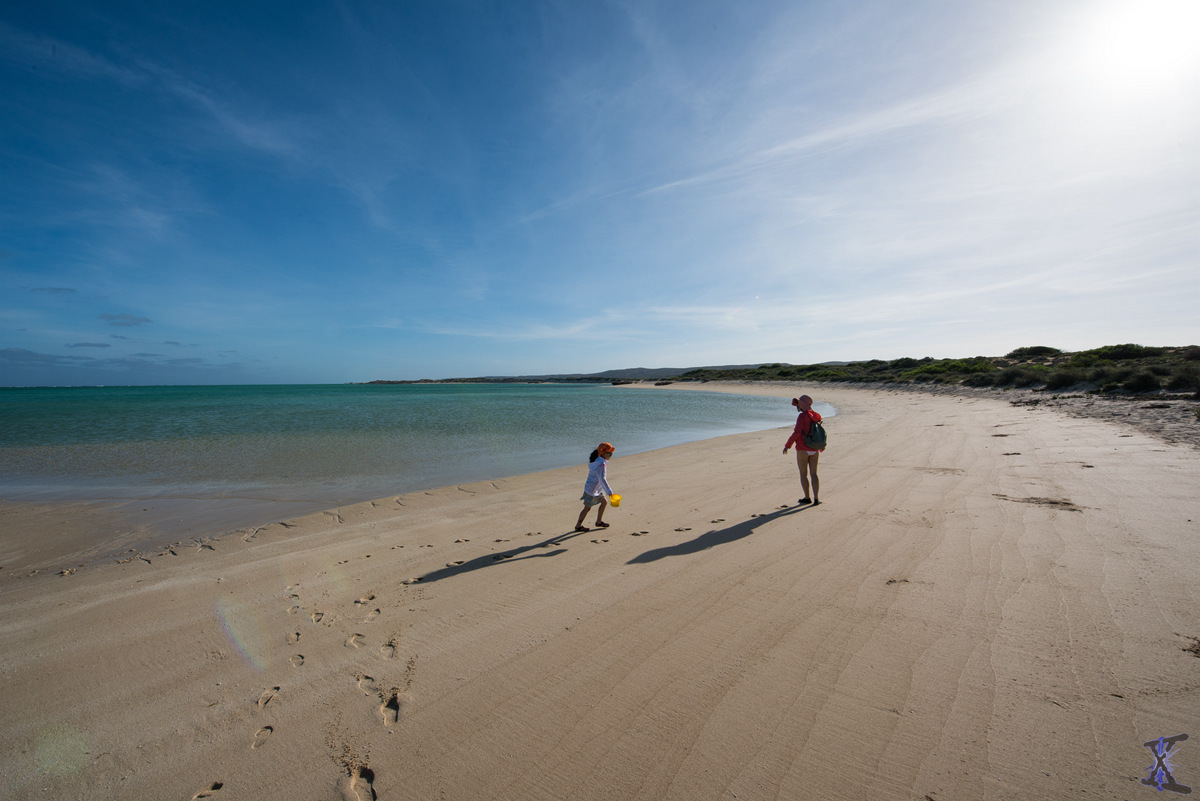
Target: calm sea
330 445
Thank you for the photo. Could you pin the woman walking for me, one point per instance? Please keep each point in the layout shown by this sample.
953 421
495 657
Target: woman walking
596 490
806 459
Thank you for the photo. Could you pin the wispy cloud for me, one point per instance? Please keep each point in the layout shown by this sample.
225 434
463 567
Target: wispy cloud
967 101
51 290
20 357
90 345
253 130
124 320
53 54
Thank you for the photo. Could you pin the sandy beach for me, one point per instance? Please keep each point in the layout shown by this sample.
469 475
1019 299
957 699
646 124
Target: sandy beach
993 601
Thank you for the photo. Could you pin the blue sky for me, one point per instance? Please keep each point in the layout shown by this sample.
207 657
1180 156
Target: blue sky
263 192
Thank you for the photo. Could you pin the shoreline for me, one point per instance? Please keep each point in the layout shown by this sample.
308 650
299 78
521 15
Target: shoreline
985 605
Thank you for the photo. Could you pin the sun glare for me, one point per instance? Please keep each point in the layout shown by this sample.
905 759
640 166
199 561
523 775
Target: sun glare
1139 43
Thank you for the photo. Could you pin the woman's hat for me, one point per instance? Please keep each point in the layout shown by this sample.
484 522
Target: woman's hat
605 447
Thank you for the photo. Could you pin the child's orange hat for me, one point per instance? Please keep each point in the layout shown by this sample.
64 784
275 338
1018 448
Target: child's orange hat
605 447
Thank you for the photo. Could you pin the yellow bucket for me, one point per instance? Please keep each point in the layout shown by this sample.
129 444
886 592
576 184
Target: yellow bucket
615 500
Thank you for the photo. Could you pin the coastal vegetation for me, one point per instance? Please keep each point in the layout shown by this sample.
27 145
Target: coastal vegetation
1128 368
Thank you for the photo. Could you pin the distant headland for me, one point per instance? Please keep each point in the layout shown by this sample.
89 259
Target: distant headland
1112 369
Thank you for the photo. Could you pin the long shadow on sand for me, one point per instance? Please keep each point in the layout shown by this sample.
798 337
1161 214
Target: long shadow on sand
501 557
711 539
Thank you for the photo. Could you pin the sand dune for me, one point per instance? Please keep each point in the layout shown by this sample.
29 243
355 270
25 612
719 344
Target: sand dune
992 602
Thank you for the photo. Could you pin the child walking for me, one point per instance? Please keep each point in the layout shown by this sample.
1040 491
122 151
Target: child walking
596 490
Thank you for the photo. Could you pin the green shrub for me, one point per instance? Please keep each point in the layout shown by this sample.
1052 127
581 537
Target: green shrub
951 366
1106 375
1033 352
1144 381
1127 351
1188 377
980 380
1065 377
1021 376
1192 354
1083 360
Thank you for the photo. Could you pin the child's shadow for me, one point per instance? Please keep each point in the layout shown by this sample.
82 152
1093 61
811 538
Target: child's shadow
511 555
711 539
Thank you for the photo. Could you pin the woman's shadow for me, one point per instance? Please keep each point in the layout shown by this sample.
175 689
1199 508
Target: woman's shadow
711 539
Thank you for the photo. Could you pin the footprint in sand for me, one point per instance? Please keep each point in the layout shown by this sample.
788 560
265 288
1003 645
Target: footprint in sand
316 616
355 641
388 649
266 696
366 599
261 737
297 660
293 637
356 785
389 710
208 792
374 613
367 685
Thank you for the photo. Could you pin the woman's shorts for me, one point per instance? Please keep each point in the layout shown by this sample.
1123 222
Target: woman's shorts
805 450
591 500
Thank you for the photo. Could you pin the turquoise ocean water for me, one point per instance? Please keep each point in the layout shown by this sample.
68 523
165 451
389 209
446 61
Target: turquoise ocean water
336 444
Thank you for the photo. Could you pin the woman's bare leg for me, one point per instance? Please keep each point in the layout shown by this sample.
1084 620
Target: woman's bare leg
816 482
802 464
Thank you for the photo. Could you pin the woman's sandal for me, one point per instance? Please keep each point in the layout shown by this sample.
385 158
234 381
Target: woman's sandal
582 528
601 525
